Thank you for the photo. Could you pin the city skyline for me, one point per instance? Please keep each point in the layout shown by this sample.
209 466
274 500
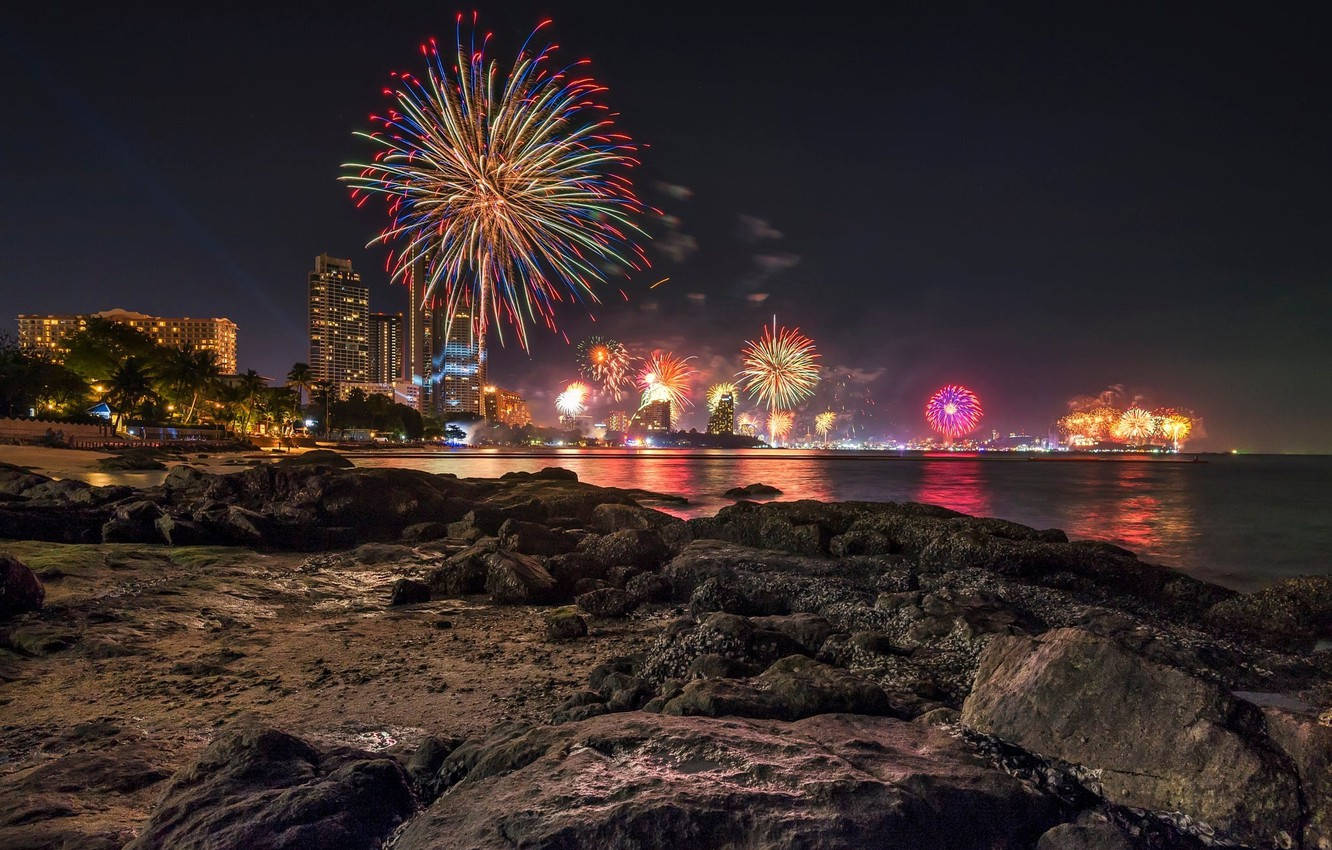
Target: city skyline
1012 231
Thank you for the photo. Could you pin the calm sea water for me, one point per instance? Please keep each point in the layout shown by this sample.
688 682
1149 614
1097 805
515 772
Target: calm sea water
1237 520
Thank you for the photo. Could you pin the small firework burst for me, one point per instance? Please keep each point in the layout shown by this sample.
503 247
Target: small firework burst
780 368
953 411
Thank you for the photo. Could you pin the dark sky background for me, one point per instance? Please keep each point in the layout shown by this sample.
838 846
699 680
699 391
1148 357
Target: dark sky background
1037 204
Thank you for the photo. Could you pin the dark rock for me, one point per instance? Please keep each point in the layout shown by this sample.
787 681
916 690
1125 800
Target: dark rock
532 538
565 624
571 570
1158 737
608 602
317 457
750 491
409 591
791 688
649 587
515 578
374 554
549 473
1293 609
808 630
620 576
131 460
633 547
424 765
133 523
465 572
644 780
609 517
1307 742
422 532
487 520
1092 836
714 666
256 787
728 593
727 635
19 589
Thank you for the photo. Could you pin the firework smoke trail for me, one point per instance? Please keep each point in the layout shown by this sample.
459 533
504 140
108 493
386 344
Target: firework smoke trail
953 411
780 368
510 190
605 362
573 401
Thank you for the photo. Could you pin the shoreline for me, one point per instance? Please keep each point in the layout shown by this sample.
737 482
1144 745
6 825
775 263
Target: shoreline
441 627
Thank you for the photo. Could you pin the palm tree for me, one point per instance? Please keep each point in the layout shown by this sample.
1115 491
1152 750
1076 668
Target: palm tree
187 373
324 392
251 386
301 378
128 388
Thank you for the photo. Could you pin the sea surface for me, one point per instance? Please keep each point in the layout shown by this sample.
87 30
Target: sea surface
1239 520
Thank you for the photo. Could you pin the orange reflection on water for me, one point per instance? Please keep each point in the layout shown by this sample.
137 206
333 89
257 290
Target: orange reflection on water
1137 508
956 484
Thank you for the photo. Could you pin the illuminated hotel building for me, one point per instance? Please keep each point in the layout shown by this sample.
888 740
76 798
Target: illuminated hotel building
505 407
50 334
653 416
385 337
722 420
339 322
459 366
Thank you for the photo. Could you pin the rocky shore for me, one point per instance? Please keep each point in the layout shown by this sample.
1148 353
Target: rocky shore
307 654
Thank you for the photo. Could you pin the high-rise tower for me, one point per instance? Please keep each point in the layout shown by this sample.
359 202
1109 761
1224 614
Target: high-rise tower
385 334
722 418
459 366
339 322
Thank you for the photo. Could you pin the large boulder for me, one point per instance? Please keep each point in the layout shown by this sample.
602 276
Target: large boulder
607 602
1307 739
1293 609
1156 737
632 547
643 780
790 689
515 578
19 588
533 538
260 788
134 522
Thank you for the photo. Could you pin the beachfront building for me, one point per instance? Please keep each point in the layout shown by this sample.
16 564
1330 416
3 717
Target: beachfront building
50 334
505 407
722 418
653 417
338 322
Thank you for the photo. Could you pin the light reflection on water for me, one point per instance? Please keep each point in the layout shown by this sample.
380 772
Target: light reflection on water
1238 520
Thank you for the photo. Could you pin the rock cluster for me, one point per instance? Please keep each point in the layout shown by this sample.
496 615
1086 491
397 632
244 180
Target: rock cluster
828 675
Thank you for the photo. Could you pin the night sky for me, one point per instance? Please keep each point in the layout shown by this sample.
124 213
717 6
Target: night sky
1037 205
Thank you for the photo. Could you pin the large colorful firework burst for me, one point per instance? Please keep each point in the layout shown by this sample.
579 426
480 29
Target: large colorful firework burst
1136 425
780 368
510 192
665 377
953 411
605 362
